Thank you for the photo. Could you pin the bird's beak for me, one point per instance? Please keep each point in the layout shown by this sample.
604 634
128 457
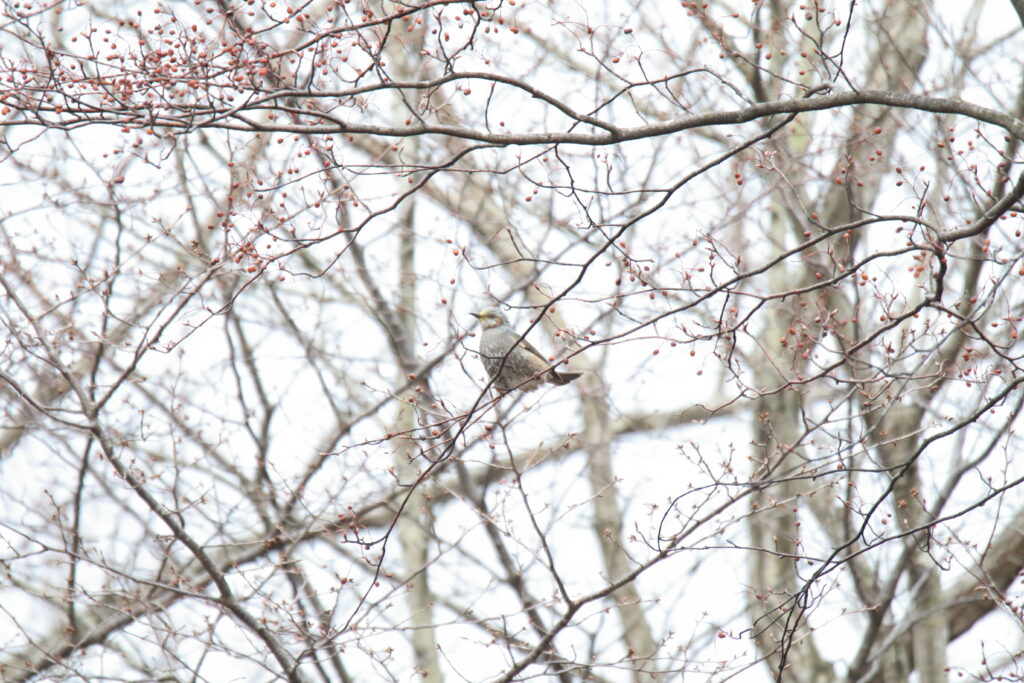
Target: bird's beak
475 315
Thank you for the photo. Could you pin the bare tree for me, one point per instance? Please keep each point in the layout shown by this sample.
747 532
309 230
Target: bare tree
245 432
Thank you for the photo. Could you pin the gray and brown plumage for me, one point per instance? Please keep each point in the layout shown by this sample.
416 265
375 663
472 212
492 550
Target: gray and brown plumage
522 367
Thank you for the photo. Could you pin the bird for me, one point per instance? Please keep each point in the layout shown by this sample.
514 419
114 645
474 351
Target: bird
512 362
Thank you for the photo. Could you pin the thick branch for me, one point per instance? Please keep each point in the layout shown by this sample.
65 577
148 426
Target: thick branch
329 124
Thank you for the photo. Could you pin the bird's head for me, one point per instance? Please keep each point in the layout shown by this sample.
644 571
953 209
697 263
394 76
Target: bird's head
491 317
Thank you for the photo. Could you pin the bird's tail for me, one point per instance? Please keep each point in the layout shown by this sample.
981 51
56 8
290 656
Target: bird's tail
561 378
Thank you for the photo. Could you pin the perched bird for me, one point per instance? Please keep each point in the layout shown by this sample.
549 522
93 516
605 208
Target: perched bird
513 368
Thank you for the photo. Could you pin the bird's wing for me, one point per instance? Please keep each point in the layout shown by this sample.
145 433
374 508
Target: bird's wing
529 347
